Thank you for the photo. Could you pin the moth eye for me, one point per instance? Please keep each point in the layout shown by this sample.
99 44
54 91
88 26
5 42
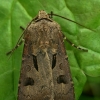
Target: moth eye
29 81
62 79
54 61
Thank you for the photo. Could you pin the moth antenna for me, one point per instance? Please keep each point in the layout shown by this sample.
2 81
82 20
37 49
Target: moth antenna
51 14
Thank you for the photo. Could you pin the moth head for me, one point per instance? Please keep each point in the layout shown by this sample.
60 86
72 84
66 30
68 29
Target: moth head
42 14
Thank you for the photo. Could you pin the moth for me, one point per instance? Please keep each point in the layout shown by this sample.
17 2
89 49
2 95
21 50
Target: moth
45 72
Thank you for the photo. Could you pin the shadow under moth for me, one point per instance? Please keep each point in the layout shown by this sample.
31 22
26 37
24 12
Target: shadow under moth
45 72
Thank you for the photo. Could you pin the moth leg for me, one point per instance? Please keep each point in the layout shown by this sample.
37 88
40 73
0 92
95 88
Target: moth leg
85 50
17 45
22 28
19 42
66 57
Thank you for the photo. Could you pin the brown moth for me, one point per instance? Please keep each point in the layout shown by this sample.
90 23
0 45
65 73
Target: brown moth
45 72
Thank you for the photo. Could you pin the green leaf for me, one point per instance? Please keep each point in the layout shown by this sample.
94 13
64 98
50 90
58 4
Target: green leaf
16 13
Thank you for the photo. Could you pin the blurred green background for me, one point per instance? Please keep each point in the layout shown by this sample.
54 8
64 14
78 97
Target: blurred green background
91 89
85 66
